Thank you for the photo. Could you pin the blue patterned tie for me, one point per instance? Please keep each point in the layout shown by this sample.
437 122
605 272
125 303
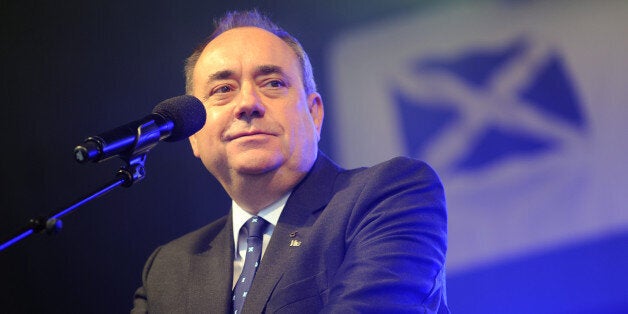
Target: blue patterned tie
254 228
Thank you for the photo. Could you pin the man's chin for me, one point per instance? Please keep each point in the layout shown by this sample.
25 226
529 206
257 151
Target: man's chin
256 164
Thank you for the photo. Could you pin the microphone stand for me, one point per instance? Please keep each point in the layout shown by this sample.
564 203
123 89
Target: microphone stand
133 170
51 224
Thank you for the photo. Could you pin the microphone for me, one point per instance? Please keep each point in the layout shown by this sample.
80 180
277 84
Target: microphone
171 120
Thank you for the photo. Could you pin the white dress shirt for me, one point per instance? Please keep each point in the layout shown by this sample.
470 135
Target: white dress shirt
240 216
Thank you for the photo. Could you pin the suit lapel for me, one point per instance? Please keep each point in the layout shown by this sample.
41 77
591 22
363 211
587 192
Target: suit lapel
211 274
311 195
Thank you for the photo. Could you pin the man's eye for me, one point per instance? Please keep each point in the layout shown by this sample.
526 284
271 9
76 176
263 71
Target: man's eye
276 83
223 89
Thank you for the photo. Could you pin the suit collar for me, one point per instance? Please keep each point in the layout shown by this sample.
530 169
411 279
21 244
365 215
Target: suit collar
209 284
311 195
316 189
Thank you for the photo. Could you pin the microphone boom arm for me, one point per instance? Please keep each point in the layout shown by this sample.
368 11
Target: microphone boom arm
133 170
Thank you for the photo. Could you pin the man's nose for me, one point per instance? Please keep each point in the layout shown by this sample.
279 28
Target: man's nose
249 104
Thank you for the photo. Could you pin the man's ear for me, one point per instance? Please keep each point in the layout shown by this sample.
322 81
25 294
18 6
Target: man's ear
194 144
315 104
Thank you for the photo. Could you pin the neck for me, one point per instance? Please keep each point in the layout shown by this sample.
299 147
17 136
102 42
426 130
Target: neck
255 192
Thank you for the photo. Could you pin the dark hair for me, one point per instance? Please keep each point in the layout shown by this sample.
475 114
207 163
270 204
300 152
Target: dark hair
252 18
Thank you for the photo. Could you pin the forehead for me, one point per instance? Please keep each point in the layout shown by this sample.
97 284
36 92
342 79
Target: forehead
244 47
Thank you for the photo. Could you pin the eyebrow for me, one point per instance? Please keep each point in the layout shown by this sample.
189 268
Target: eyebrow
269 69
221 75
260 70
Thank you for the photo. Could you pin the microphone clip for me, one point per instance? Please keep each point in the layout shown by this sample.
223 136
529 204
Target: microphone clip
147 136
115 143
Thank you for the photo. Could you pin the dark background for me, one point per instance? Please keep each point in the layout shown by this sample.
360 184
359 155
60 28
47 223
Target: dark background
71 69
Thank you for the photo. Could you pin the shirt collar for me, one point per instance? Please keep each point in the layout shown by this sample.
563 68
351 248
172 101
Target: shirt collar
270 213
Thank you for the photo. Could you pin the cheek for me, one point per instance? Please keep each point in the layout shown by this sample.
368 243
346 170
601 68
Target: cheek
305 121
208 136
302 130
215 122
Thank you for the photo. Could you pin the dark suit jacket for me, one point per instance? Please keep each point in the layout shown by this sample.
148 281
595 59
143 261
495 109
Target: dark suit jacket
368 240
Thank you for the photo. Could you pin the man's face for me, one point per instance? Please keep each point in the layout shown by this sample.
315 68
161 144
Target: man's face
259 119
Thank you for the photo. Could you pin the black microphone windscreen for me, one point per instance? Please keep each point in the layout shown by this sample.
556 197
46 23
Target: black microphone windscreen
186 112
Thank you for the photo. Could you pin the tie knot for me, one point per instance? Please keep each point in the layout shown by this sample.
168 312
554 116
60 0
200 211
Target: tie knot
255 226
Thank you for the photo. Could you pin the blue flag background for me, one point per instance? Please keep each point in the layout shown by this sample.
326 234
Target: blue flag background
520 107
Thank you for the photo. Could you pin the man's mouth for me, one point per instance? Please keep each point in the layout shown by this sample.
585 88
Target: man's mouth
237 135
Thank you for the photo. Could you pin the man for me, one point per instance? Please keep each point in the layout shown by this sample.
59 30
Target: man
333 241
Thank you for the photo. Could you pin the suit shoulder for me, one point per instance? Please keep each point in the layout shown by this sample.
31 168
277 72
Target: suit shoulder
197 240
396 176
402 167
